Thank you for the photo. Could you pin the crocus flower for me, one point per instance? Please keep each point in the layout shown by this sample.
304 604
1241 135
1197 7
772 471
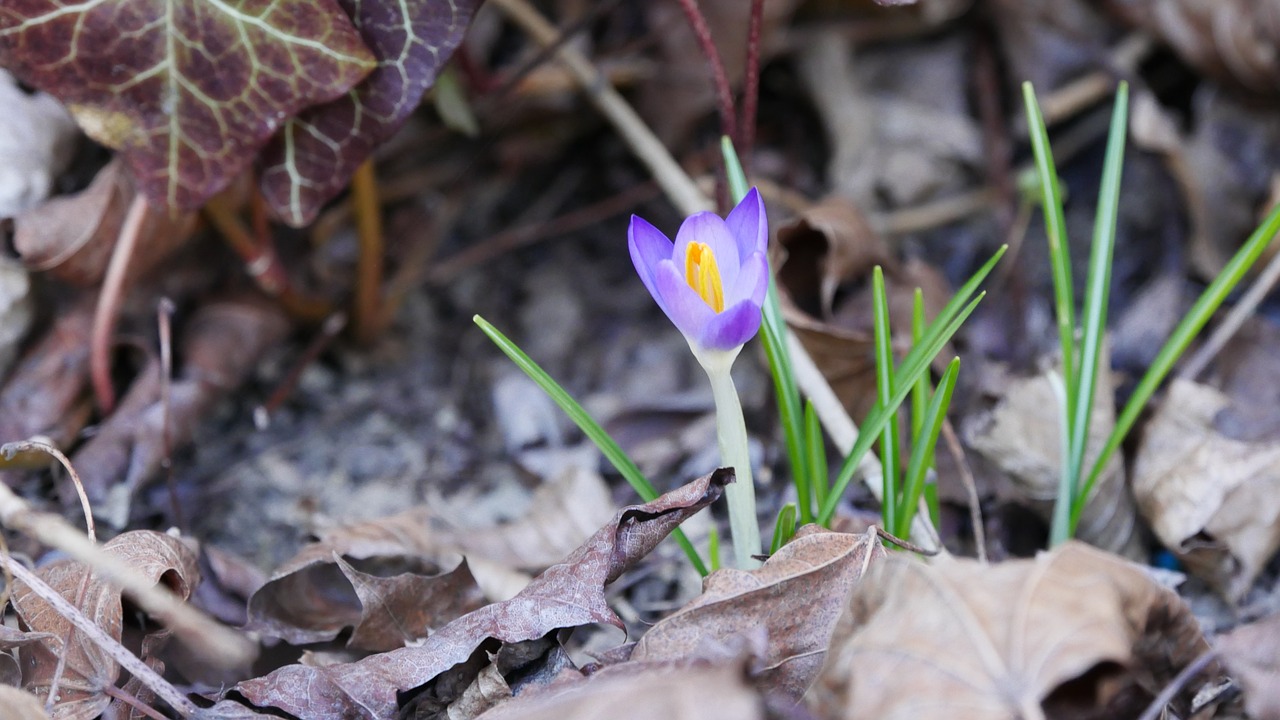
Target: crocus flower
712 280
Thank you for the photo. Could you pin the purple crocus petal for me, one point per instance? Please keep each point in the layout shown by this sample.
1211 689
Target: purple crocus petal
687 310
709 228
731 328
753 281
748 224
648 246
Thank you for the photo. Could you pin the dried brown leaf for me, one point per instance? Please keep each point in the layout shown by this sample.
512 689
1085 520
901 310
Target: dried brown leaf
1237 41
795 598
1211 498
1251 654
40 394
221 345
1022 436
567 595
73 236
640 691
89 669
830 251
308 598
1073 633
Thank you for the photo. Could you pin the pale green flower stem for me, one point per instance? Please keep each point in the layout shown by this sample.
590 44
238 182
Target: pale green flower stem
731 432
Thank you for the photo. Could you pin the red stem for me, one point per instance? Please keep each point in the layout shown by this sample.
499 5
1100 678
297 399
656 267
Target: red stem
751 86
105 314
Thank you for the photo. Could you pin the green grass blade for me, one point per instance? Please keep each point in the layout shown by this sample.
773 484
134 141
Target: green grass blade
1194 321
816 459
920 393
608 446
786 393
1097 292
713 547
922 451
738 186
884 394
1055 225
1060 526
880 415
784 528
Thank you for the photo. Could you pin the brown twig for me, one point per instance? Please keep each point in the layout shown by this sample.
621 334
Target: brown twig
109 299
164 323
970 488
330 330
1195 667
367 307
127 660
518 237
133 702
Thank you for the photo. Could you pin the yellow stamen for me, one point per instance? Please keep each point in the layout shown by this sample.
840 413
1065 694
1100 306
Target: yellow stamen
703 275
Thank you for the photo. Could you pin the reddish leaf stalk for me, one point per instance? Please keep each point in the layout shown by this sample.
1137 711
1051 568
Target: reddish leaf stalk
724 94
108 309
367 316
751 86
262 262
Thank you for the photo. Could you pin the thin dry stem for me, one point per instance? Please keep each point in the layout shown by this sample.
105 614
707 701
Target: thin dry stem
110 645
970 488
37 444
751 86
676 183
215 644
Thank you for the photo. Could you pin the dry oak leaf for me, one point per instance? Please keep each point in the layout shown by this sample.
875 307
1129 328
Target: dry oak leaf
1072 633
795 598
1211 498
187 90
89 669
315 154
569 594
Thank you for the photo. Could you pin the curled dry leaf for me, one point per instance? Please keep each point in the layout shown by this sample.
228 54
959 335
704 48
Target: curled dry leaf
1212 499
1251 654
309 598
318 594
1237 41
794 598
1022 436
221 345
89 669
831 248
1075 633
73 236
640 691
569 594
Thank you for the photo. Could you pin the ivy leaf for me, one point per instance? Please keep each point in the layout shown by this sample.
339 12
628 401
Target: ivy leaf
187 90
315 154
